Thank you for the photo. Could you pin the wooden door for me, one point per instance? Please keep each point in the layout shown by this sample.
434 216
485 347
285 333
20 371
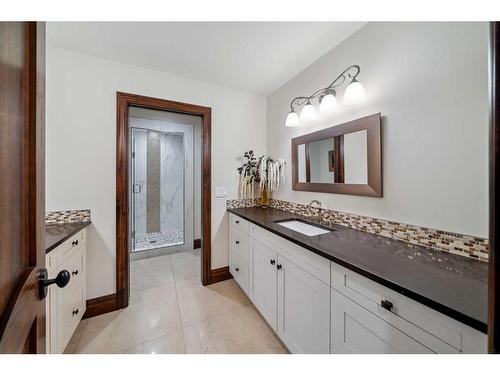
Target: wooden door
263 280
22 249
303 310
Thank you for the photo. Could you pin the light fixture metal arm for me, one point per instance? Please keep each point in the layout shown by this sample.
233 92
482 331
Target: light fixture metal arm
349 73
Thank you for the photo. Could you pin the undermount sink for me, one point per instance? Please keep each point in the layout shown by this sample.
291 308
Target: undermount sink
303 227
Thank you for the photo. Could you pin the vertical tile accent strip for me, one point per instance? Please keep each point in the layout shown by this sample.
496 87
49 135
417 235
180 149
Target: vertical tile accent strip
153 184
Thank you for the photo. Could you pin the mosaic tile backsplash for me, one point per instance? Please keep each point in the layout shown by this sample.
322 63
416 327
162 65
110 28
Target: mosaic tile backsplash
469 246
65 217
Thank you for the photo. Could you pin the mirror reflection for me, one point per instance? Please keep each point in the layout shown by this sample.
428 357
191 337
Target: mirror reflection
339 159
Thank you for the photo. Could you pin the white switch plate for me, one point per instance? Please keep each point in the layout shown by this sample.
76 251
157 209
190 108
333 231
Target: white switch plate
220 191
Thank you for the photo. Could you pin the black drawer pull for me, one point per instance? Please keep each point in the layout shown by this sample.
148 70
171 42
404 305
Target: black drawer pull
74 273
74 243
237 269
272 261
386 305
237 221
75 312
278 266
237 242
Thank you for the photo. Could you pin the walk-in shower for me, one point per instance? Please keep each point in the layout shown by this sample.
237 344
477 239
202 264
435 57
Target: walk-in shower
161 186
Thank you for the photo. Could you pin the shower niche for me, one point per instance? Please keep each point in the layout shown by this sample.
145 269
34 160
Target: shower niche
161 186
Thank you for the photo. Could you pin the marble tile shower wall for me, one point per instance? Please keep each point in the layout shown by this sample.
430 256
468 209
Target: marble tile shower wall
469 246
66 217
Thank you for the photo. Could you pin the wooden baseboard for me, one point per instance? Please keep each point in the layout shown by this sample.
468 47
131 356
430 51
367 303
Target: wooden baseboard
101 305
220 274
197 243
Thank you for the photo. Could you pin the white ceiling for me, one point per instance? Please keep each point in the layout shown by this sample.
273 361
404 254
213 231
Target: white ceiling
257 57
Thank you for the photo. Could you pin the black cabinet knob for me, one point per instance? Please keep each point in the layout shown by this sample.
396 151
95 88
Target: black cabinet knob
237 242
74 273
237 221
75 312
74 243
272 261
278 266
386 304
237 269
61 280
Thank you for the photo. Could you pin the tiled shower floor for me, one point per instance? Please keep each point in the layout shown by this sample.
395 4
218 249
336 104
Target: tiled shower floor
148 241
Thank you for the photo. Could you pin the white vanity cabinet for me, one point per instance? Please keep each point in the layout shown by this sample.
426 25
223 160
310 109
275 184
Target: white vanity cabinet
318 306
284 286
370 318
66 306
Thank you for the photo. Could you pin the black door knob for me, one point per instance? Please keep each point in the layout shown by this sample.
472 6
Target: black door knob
61 280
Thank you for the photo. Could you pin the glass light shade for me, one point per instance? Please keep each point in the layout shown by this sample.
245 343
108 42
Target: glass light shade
308 113
354 93
292 120
328 104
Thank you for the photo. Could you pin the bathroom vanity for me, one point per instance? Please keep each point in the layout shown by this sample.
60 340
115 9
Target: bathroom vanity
65 250
347 291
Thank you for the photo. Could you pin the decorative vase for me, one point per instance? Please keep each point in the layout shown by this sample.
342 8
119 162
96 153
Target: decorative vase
264 197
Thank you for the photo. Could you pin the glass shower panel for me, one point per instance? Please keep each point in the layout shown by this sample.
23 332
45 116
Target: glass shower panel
157 189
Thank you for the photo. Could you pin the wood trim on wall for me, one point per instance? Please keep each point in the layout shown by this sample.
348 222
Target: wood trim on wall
101 305
494 264
123 102
220 274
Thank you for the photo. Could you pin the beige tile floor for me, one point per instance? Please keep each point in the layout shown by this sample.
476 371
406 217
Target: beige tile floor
171 312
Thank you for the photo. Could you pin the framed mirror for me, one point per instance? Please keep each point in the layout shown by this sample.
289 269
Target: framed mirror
343 159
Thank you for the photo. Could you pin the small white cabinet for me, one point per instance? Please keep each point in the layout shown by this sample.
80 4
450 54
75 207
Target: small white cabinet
65 306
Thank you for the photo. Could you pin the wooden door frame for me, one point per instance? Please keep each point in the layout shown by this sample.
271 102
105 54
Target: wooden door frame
123 102
494 263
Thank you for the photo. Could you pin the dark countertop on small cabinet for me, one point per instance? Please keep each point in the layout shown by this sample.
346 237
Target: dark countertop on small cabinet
56 234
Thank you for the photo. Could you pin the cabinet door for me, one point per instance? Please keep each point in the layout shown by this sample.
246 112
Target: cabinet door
263 290
356 330
303 310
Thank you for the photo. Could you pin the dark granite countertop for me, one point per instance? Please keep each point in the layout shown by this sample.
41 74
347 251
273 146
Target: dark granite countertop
451 284
56 234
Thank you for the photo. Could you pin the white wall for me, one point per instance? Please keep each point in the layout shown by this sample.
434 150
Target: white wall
429 81
81 139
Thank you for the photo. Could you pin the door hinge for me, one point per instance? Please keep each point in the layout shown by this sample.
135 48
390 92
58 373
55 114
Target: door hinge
133 154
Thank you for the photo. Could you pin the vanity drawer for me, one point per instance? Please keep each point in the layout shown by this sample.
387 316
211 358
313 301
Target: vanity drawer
312 263
239 243
439 333
68 247
240 223
239 269
71 299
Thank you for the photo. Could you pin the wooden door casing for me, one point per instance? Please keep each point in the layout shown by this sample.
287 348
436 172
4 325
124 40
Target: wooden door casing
22 204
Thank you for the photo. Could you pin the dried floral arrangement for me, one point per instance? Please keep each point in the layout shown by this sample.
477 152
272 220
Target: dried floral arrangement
265 171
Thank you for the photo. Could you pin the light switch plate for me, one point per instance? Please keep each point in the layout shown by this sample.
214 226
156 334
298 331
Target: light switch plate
220 191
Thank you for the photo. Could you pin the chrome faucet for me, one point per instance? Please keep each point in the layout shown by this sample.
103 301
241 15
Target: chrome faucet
320 210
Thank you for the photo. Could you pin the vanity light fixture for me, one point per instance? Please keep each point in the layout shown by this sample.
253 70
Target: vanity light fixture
327 97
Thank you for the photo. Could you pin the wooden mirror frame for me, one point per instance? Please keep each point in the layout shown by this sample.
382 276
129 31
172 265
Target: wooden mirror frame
372 124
